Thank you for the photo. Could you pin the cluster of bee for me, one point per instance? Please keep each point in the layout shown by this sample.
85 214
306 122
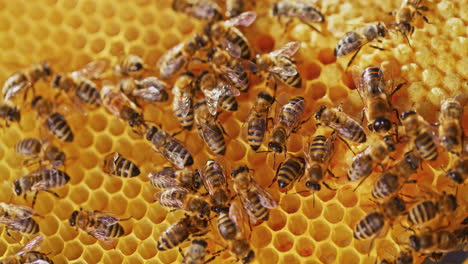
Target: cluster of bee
205 74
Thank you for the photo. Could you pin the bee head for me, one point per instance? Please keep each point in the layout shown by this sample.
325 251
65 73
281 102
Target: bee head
197 181
56 80
249 258
274 10
319 112
380 125
239 170
316 173
399 204
449 141
266 96
455 176
313 186
405 257
36 100
200 242
18 189
390 142
72 219
46 68
415 242
381 29
14 115
137 66
201 40
406 114
412 160
275 146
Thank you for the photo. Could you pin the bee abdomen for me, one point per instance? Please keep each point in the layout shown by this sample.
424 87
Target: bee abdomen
180 152
369 226
57 124
28 147
33 257
422 212
426 147
28 226
215 140
186 121
229 103
88 93
126 168
288 172
294 81
385 186
115 230
172 238
256 133
258 210
227 228
53 178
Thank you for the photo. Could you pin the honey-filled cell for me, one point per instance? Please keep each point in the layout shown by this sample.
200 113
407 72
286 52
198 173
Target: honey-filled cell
306 226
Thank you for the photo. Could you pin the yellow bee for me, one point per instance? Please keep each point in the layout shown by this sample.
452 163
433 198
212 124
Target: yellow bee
216 184
115 164
418 130
426 210
353 41
18 218
9 113
206 10
100 225
342 123
54 121
433 241
225 34
305 12
180 231
40 180
235 7
405 14
172 149
25 79
209 129
450 129
79 85
318 159
279 65
39 150
29 254
149 90
181 198
182 104
217 92
196 253
130 65
168 177
290 170
255 199
257 121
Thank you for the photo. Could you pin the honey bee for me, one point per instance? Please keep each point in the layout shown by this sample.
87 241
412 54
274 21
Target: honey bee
371 86
172 149
115 164
40 180
29 254
168 177
130 65
279 65
54 121
25 79
100 225
342 123
450 130
433 241
196 253
215 183
18 218
181 198
319 154
235 7
257 122
290 170
405 257
34 149
392 179
418 130
364 162
200 9
426 210
225 34
79 85
305 12
255 199
209 129
217 92
405 14
179 56
287 122
182 104
372 224
10 114
459 171
180 231
149 90
353 41
119 105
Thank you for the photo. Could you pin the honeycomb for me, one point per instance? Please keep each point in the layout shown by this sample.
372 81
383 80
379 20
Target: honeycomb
303 228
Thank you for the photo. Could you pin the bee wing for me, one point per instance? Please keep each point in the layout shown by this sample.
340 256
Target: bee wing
265 198
166 180
149 95
32 245
312 16
206 10
152 82
173 202
106 218
289 49
170 62
92 70
238 216
249 208
19 211
356 73
284 71
183 103
38 261
99 234
234 50
245 19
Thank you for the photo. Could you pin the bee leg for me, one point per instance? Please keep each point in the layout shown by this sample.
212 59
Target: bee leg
363 114
331 174
34 199
346 143
375 47
359 184
7 231
182 253
328 186
423 17
354 56
53 193
314 28
276 175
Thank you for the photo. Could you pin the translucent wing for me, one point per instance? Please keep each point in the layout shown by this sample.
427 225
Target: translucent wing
205 10
13 85
33 245
213 95
209 184
175 202
152 82
245 19
150 94
92 70
18 211
356 73
289 49
171 61
106 218
99 234
238 216
44 183
284 71
234 50
311 16
265 198
249 208
163 179
38 261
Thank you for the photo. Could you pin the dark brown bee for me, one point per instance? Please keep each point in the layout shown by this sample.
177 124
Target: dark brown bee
40 180
342 123
226 34
290 170
372 224
182 104
255 199
18 218
353 41
217 92
215 183
180 198
29 254
206 10
100 225
257 122
130 65
180 231
169 177
450 129
433 241
459 171
287 122
172 149
115 164
426 210
279 65
405 257
149 90
209 129
54 121
404 16
392 179
318 159
39 150
375 154
418 130
25 79
196 253
10 114
305 12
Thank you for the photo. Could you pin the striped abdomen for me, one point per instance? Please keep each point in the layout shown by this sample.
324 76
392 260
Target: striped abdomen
28 147
113 231
289 171
256 131
451 110
385 186
35 257
425 146
177 154
258 210
88 93
26 226
214 139
186 121
228 103
369 226
226 227
361 167
173 236
57 124
372 76
125 168
51 178
354 131
234 36
292 111
318 148
422 212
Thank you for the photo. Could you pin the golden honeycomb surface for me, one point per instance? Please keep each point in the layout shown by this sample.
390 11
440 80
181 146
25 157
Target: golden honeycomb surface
71 33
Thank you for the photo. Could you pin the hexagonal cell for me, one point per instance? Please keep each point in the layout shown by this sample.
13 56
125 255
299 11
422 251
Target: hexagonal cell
49 225
342 235
113 256
148 249
305 247
283 241
128 245
333 213
327 253
290 203
349 256
311 207
72 250
319 230
267 255
277 220
92 254
290 258
347 196
169 256
297 224
260 237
